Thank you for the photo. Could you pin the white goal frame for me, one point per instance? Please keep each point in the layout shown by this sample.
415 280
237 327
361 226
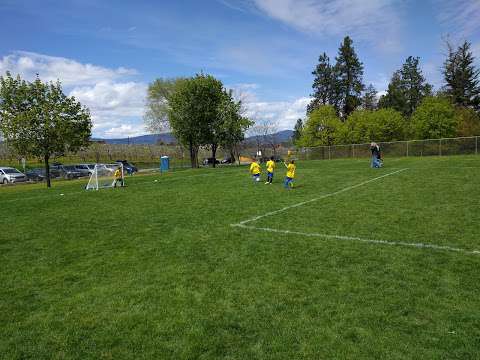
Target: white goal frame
96 182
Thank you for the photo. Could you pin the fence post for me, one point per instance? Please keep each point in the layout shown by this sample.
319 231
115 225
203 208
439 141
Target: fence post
440 147
408 142
329 156
476 145
353 150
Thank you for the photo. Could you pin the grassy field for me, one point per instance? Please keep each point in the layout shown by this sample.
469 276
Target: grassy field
354 263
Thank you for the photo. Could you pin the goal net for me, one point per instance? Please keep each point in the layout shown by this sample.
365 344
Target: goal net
106 176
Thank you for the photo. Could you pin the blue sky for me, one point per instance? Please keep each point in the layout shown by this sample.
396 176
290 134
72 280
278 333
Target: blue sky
106 52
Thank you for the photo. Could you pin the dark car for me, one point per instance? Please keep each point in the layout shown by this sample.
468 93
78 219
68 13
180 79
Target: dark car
209 161
127 167
36 174
228 160
66 171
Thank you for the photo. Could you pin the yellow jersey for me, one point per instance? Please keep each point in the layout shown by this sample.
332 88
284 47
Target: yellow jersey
118 174
291 170
255 168
270 166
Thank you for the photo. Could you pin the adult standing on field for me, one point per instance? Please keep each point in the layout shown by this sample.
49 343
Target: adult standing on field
376 155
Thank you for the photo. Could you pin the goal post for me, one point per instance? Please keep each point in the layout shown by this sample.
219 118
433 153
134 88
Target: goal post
106 176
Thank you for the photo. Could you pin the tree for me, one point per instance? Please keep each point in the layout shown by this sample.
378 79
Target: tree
297 131
461 77
395 97
468 122
156 115
193 113
38 119
264 132
381 125
324 84
369 99
323 127
232 124
413 84
435 118
349 72
407 88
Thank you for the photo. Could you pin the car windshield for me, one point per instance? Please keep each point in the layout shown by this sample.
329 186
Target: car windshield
11 171
84 167
69 167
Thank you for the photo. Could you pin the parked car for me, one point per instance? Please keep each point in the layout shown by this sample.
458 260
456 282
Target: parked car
66 171
37 174
84 169
11 175
228 160
127 167
209 161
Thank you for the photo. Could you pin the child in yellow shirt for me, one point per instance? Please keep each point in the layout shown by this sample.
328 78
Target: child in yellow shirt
270 169
290 174
255 170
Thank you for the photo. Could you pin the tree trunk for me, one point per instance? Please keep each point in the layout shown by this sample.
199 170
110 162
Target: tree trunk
47 170
193 155
214 154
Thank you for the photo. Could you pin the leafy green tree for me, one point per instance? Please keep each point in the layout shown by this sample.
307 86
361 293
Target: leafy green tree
156 115
435 118
38 119
232 125
349 77
462 77
381 125
324 84
297 131
369 99
193 113
323 127
468 122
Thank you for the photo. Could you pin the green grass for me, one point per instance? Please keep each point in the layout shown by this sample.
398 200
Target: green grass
155 270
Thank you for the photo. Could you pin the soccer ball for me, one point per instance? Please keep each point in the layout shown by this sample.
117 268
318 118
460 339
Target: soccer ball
257 179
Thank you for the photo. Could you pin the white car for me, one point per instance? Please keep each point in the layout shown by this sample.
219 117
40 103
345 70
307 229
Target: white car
11 175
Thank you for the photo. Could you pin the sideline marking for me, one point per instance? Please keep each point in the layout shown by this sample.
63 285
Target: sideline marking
358 239
316 199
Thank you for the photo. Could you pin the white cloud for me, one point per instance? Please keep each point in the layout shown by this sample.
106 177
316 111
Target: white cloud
281 114
363 19
51 68
116 104
460 16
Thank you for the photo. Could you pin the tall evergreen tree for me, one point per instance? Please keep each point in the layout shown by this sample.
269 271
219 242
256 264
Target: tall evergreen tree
297 131
369 99
461 76
407 88
349 73
413 84
323 84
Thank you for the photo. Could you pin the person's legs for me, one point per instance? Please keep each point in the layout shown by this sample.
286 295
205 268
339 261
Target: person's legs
372 161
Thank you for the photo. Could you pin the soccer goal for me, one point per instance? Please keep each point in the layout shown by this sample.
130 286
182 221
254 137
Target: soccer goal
106 176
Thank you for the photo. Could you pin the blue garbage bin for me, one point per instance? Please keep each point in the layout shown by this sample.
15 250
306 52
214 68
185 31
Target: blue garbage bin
164 163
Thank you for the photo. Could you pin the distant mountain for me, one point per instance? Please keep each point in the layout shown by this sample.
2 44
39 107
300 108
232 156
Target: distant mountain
168 138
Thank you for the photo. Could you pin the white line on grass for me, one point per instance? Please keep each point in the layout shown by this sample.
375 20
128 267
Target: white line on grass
372 241
316 199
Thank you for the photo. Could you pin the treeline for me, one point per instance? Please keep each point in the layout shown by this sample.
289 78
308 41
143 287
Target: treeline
199 111
343 110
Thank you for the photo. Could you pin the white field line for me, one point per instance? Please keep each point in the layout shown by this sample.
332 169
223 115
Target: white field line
316 199
371 241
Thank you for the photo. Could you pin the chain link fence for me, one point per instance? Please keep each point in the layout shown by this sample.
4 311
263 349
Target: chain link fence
429 147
